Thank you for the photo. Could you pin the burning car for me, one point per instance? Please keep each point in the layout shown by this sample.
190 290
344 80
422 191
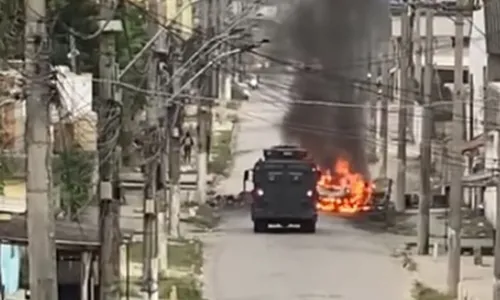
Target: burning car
342 190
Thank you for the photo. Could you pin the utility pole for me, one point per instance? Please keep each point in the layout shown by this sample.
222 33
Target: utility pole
425 198
163 175
109 199
496 266
73 53
219 15
152 148
176 112
405 58
417 46
372 107
456 192
384 111
227 77
203 114
41 218
487 130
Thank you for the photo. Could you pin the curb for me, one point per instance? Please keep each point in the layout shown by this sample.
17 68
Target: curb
464 294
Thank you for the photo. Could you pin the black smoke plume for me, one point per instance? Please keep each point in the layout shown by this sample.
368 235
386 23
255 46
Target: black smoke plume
330 36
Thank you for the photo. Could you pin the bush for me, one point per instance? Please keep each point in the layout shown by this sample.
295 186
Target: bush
74 170
423 292
221 152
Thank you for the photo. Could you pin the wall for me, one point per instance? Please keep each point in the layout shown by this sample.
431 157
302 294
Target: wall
443 26
491 157
477 61
183 18
76 95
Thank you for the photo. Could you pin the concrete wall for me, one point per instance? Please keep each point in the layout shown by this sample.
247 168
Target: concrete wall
184 18
443 26
477 63
492 161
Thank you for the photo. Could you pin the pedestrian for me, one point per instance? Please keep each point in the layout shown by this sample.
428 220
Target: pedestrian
187 146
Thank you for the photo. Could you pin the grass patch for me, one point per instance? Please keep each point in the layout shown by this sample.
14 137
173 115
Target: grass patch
221 152
189 204
422 292
136 252
188 288
185 254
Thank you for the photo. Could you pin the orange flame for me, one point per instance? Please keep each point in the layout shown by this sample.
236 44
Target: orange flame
343 190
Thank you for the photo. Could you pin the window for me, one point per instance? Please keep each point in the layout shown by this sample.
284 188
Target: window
296 177
274 177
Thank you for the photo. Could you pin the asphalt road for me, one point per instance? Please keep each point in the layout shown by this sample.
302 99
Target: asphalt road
338 262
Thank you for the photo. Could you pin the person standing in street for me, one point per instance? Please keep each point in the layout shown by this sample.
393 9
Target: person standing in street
187 146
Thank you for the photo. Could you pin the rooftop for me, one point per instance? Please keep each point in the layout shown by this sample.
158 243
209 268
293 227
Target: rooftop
68 234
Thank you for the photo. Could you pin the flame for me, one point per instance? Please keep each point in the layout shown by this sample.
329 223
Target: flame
344 191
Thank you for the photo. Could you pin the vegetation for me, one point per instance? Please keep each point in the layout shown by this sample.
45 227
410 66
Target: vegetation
221 151
186 258
183 254
423 292
5 173
74 171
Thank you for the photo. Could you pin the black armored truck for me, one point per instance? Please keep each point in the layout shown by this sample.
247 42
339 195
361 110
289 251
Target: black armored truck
284 189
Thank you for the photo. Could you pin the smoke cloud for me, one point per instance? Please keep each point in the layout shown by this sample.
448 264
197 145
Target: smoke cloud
335 36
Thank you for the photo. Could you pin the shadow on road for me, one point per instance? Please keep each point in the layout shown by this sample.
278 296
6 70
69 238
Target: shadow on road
381 222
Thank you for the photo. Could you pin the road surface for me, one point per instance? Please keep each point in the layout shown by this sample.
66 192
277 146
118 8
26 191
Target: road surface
338 262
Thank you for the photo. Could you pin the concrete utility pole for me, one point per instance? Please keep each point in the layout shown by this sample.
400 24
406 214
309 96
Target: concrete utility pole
405 58
372 106
152 148
227 76
176 112
425 143
456 192
417 46
109 201
163 176
41 218
384 111
218 21
203 111
496 265
73 53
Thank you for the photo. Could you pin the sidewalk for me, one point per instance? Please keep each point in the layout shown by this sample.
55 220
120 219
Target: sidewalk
475 231
476 281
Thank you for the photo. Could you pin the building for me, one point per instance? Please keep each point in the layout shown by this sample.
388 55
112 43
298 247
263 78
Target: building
74 123
182 15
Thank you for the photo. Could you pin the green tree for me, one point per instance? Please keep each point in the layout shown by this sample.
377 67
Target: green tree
74 170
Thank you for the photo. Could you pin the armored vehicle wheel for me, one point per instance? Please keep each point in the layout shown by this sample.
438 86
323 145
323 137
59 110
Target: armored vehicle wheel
308 227
259 226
